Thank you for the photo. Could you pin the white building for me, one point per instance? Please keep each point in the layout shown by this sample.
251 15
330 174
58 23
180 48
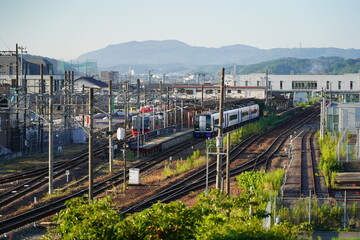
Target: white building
345 86
212 92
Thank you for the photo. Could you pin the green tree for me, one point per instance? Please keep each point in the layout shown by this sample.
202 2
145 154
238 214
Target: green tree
162 221
83 220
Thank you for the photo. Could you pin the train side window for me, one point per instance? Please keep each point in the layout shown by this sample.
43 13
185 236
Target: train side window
233 117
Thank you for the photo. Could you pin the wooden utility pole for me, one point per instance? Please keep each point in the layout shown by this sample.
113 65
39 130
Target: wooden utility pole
220 131
91 95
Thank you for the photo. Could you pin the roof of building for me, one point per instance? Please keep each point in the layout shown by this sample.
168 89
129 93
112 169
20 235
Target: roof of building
217 87
92 82
38 61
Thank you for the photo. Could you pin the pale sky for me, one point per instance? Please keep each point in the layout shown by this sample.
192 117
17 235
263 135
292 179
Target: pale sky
68 28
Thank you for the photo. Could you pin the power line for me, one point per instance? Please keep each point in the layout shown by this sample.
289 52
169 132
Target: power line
5 44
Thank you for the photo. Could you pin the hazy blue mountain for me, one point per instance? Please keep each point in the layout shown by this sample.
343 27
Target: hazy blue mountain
172 52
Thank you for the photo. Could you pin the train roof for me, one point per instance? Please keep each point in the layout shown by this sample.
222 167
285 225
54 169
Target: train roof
227 109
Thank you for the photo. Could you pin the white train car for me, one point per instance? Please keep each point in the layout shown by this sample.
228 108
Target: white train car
207 123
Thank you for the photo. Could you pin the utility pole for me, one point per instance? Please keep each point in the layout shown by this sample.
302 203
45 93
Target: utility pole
111 157
71 101
23 91
51 139
17 66
182 114
322 114
150 75
41 93
17 129
83 105
125 129
220 130
65 106
228 163
91 95
202 95
266 88
138 92
167 113
24 116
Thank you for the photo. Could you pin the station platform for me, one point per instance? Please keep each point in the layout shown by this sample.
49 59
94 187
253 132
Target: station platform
161 143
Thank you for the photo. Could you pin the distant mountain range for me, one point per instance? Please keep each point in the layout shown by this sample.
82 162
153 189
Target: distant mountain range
173 52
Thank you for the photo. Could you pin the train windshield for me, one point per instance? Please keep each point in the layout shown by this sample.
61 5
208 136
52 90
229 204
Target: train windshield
140 122
202 123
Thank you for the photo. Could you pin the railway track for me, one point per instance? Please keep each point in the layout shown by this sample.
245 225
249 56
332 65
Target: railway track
194 182
198 180
29 181
303 179
307 173
99 187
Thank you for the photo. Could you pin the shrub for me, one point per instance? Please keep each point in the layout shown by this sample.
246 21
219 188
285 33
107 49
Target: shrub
162 221
83 220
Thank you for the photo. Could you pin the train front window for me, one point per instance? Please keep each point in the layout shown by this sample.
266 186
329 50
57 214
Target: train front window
141 123
202 123
208 123
196 123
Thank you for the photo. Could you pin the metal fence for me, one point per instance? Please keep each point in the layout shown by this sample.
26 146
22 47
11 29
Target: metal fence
347 149
321 213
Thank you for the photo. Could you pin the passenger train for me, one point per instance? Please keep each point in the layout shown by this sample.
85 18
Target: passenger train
145 124
207 123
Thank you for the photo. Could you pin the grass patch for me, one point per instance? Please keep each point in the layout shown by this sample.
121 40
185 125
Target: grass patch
181 166
38 160
329 165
